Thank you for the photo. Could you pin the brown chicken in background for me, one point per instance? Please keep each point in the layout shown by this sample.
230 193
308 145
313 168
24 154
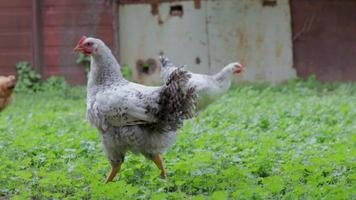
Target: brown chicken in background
7 85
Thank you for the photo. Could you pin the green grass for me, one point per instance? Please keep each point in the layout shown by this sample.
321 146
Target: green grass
291 141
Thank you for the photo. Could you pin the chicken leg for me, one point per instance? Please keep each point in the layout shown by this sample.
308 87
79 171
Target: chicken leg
157 159
113 172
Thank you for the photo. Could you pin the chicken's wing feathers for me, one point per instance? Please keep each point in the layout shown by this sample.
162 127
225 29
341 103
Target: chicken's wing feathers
124 108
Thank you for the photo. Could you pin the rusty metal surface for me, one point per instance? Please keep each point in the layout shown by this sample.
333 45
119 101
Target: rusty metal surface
324 36
254 32
150 1
209 38
155 3
181 37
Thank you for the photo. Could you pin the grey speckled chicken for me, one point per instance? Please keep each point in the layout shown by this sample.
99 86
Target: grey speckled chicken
130 116
209 87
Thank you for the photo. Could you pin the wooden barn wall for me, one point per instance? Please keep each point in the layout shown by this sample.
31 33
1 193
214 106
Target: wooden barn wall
324 39
60 26
64 22
15 34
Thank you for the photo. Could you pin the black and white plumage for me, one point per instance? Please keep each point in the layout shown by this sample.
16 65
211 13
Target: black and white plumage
208 87
130 116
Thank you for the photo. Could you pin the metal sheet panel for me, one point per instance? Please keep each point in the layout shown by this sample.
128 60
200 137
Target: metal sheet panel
143 36
324 34
254 33
210 37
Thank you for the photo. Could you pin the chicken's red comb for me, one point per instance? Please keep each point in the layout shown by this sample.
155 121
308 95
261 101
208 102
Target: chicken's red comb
82 39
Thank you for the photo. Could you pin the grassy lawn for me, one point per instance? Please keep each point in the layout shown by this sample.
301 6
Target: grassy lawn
291 141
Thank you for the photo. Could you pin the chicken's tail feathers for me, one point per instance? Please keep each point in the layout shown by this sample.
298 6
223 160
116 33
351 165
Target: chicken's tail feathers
177 100
167 67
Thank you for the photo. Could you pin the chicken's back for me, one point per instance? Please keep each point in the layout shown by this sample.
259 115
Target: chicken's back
208 88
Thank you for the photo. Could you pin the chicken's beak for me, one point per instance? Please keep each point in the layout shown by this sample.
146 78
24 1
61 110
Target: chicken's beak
78 49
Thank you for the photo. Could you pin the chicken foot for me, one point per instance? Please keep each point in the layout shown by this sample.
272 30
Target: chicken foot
157 159
113 172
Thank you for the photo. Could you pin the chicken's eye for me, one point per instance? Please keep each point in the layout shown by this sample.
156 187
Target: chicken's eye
89 44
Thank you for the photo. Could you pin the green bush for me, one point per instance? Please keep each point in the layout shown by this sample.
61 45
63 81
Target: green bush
84 60
55 83
30 81
127 72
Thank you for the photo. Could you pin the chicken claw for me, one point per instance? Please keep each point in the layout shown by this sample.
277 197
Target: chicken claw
113 172
157 159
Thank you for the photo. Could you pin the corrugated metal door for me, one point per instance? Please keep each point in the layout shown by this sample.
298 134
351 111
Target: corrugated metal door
324 36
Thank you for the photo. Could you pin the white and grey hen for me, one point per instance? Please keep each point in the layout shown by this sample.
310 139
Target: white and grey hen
130 116
208 87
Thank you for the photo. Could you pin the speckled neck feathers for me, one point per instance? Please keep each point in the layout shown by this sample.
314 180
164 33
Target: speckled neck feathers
105 70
